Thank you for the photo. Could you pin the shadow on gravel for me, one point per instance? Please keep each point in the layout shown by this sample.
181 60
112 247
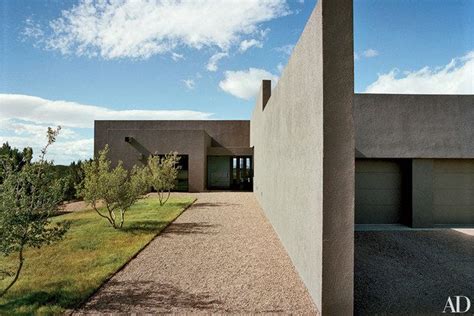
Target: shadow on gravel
411 272
149 297
213 205
190 228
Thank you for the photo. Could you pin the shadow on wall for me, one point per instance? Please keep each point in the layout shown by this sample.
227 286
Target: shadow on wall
411 272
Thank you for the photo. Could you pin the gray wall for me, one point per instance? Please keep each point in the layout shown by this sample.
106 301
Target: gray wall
414 126
304 156
192 138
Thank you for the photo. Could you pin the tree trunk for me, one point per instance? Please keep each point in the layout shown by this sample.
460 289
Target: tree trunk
17 274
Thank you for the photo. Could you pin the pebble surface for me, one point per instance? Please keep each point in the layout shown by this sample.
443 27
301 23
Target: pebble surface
221 256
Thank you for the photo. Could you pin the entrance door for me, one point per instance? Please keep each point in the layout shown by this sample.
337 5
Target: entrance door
218 172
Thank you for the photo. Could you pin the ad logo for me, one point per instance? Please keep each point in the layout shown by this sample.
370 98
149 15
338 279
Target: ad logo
460 305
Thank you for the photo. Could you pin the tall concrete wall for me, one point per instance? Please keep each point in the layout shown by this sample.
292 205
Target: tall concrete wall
304 156
414 126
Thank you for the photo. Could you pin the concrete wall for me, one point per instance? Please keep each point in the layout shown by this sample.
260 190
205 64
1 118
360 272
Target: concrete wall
192 138
304 156
414 126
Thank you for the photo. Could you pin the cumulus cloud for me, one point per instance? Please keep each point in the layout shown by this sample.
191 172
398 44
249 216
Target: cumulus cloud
72 114
457 77
176 56
212 64
189 83
369 53
62 152
246 44
245 84
24 120
285 49
143 28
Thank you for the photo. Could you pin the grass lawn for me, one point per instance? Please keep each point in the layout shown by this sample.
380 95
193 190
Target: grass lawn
62 275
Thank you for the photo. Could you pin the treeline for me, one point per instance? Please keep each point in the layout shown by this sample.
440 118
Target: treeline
13 159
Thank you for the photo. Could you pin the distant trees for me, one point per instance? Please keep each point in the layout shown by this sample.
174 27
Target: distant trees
73 175
12 159
115 188
163 174
29 194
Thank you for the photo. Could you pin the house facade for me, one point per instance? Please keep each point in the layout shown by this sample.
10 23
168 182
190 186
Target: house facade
213 154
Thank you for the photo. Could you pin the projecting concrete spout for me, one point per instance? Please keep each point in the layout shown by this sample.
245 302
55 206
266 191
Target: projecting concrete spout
265 92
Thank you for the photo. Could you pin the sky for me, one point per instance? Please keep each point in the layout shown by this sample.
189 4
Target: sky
71 62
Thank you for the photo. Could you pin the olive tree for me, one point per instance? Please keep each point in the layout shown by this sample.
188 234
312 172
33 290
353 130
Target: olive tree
29 196
163 174
112 191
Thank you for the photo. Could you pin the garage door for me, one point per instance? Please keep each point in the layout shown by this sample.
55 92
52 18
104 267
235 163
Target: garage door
453 191
378 191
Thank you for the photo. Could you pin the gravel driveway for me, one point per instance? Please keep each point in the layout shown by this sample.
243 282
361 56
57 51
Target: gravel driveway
412 272
220 256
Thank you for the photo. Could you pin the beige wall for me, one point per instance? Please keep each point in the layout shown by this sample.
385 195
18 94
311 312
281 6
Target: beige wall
304 157
414 126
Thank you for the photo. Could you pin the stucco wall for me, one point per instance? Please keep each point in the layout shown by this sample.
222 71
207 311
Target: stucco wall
192 138
304 157
414 126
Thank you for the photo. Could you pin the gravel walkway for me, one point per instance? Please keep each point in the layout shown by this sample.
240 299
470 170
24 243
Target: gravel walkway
412 272
220 256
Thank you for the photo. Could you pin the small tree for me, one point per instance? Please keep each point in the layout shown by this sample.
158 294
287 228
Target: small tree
28 197
115 188
163 174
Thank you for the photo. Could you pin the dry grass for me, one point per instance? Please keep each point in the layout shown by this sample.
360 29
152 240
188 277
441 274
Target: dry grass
62 275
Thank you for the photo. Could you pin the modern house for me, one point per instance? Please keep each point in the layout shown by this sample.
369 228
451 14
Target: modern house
320 158
213 154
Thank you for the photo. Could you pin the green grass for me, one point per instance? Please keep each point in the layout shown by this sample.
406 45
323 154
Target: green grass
64 274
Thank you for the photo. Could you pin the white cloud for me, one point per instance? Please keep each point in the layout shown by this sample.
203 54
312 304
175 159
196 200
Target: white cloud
246 44
143 28
176 56
285 49
245 84
24 120
189 83
212 64
369 53
62 152
72 114
457 77
356 56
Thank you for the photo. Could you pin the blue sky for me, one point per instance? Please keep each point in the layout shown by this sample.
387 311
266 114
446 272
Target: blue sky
70 62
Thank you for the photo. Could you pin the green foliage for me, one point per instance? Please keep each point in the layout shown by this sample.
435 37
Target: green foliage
28 197
163 174
114 187
60 276
73 176
11 159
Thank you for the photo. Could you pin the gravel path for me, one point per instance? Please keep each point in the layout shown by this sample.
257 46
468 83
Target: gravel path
220 256
412 272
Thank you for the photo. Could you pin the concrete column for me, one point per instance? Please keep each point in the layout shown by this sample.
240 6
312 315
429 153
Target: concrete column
422 193
265 92
339 157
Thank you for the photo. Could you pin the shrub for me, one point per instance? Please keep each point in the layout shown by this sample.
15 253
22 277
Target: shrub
28 197
115 188
163 174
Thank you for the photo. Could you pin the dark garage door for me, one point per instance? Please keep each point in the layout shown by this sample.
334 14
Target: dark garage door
453 191
378 191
